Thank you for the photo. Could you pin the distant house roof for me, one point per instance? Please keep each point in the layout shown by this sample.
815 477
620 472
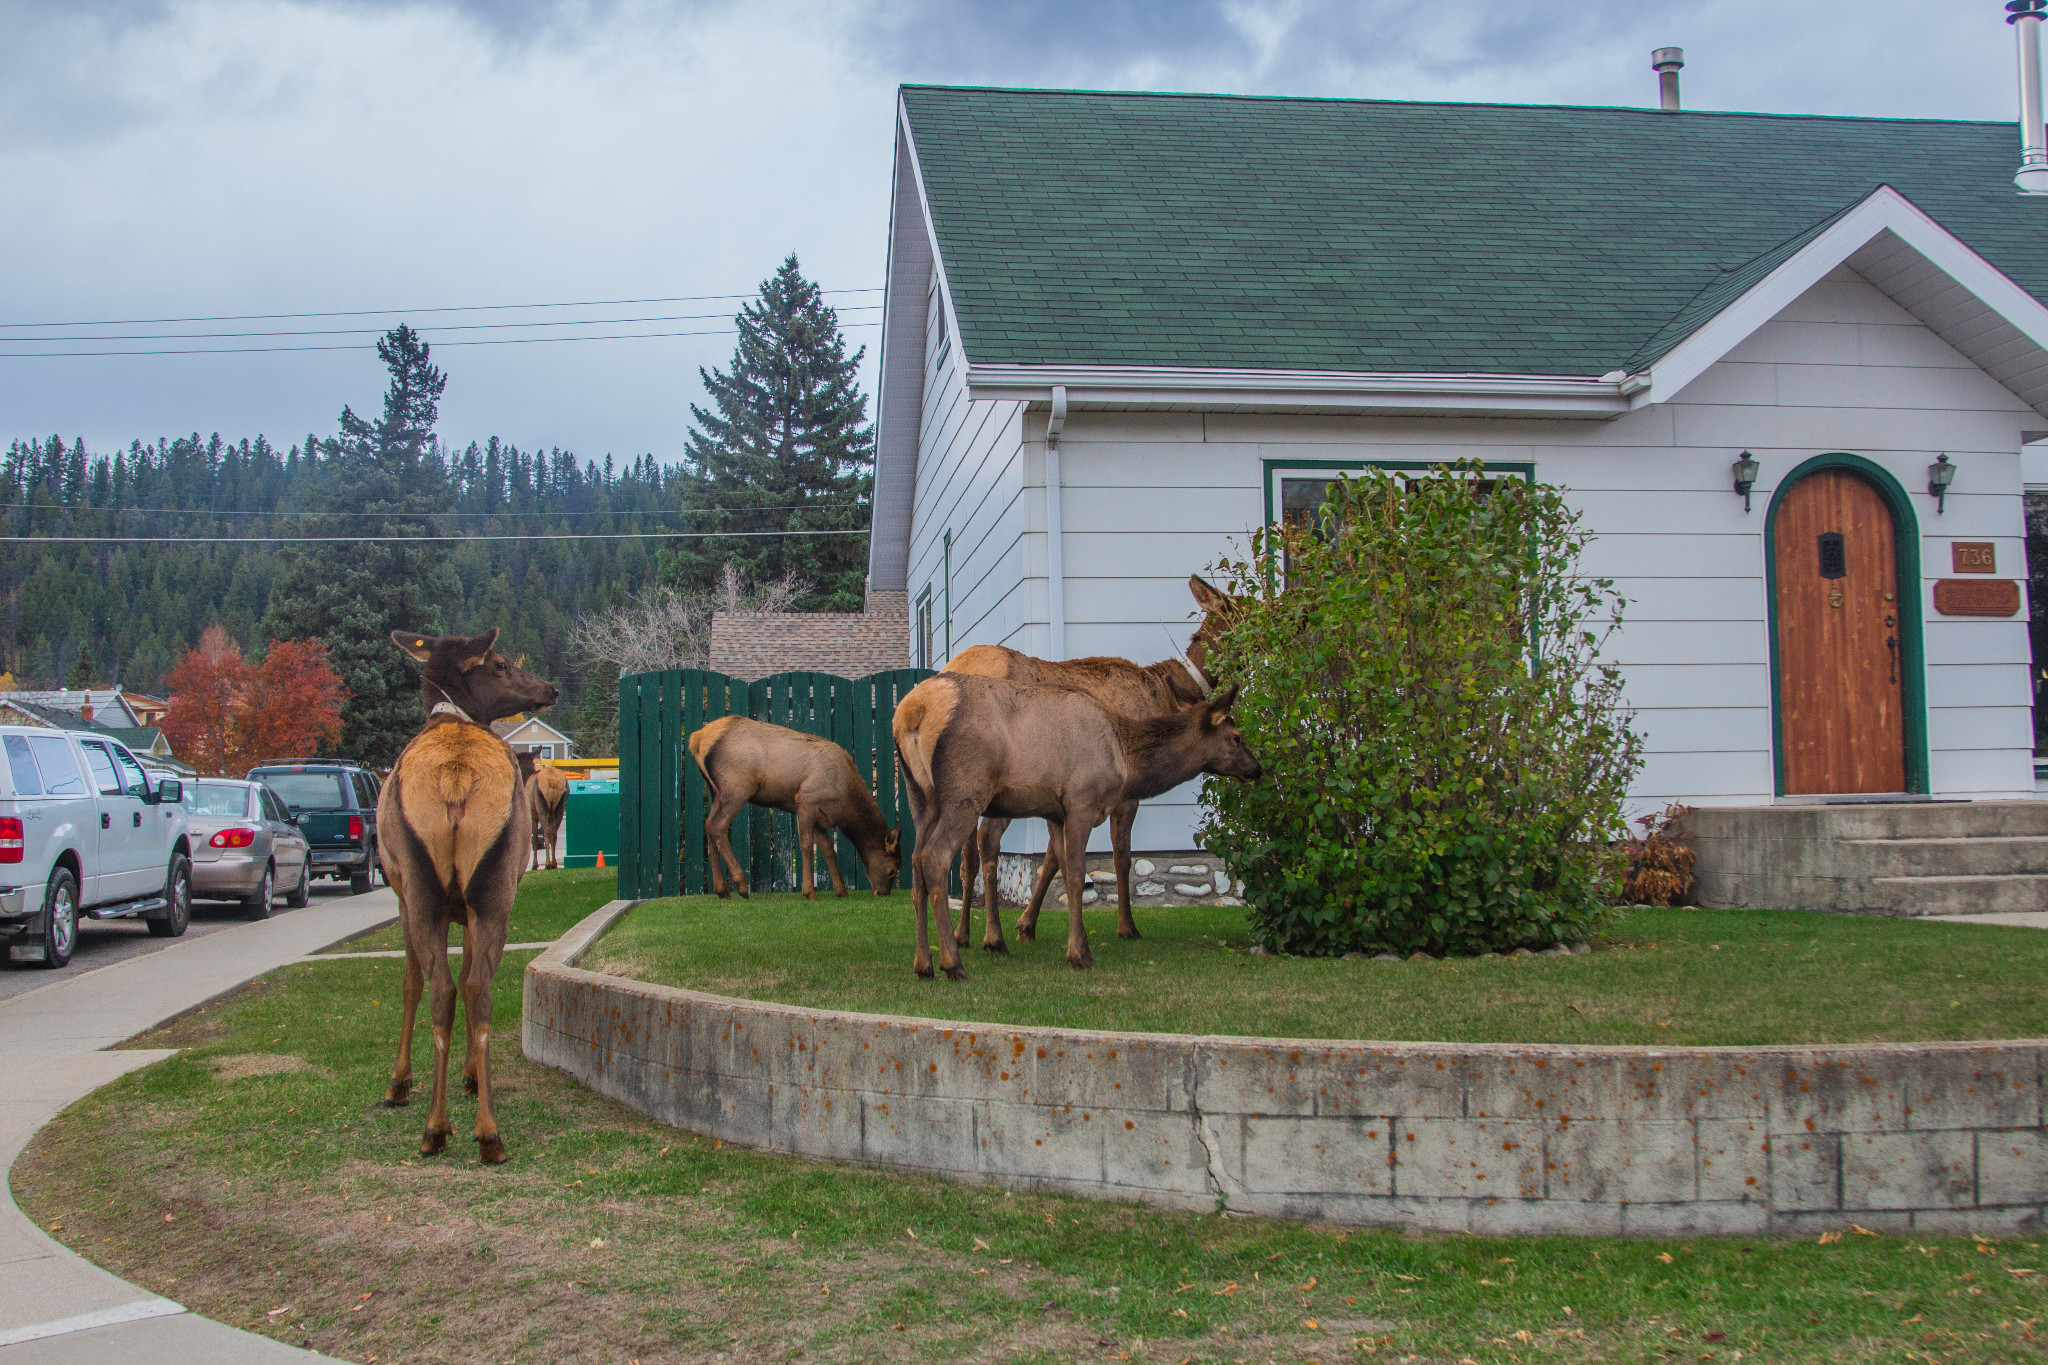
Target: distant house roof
532 730
109 706
1208 231
754 645
142 739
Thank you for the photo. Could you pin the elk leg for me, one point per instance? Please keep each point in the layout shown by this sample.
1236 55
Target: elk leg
442 1005
1120 822
400 1090
970 874
480 949
554 831
990 836
807 872
831 857
1073 834
718 841
1048 868
933 866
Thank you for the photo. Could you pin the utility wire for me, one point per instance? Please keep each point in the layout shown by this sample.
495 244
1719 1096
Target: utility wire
408 540
428 330
380 312
358 346
82 508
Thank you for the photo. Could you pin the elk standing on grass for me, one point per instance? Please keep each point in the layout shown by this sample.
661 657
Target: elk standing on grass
806 775
971 746
1121 687
547 795
453 823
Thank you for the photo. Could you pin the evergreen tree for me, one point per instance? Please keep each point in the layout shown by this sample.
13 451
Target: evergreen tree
351 597
80 676
789 448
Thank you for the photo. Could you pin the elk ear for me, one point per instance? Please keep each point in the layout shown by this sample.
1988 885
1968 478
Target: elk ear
893 842
420 647
478 649
1219 708
1206 596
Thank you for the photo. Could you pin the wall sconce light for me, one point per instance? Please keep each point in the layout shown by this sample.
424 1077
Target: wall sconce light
1746 470
1940 475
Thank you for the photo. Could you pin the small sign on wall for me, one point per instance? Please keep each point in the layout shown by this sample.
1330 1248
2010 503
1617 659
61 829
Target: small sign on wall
1972 556
1977 597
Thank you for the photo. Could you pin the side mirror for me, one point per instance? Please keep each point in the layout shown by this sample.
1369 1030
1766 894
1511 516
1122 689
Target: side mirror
170 789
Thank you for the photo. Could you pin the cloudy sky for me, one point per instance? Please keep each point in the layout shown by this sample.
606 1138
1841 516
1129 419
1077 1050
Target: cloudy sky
168 160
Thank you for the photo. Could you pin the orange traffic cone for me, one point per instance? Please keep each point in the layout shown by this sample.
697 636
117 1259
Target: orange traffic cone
600 857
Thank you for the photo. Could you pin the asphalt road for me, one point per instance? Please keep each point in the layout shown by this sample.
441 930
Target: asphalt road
102 943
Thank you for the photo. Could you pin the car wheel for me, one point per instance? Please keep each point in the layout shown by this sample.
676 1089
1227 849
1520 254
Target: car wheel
302 894
60 918
178 891
257 906
359 882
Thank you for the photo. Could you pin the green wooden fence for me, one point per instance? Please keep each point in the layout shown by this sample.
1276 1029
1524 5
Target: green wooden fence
661 793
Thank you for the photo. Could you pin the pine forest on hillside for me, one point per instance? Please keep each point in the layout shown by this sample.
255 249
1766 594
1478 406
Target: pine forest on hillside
132 610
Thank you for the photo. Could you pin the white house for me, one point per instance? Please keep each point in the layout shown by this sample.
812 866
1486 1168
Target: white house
1122 330
534 735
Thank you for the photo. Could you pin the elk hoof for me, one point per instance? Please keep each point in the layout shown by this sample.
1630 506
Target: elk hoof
490 1150
923 969
956 973
1080 964
469 1084
398 1095
433 1143
995 946
1026 932
724 895
1131 932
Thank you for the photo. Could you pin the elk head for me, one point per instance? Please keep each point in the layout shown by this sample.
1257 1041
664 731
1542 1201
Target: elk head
465 671
884 861
1224 751
1219 609
524 758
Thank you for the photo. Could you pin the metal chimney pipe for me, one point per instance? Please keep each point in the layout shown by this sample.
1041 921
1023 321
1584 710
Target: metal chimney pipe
2025 17
1666 61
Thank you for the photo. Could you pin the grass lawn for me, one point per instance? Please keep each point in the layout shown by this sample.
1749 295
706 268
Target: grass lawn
1697 977
549 905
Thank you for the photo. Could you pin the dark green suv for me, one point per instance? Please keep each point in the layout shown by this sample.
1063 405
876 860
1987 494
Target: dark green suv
335 805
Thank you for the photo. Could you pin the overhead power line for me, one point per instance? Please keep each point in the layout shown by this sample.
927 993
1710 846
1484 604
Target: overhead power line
380 312
84 508
358 346
380 331
411 540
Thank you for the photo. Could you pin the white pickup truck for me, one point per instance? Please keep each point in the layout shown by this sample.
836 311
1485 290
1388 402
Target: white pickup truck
84 830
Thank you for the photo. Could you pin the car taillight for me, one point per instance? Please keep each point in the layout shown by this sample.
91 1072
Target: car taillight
10 839
355 827
233 838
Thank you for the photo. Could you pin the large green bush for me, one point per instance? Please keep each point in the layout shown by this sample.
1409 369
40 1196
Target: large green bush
1445 755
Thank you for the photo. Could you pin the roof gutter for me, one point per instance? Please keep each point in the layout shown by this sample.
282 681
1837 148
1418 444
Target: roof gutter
1134 386
1055 526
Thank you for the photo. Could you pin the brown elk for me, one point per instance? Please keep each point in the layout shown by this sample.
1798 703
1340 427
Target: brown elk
547 796
972 746
806 775
1124 688
453 825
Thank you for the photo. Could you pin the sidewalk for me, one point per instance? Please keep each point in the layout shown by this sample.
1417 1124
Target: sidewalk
54 1305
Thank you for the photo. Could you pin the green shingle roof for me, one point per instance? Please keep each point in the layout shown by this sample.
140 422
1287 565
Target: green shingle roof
1226 231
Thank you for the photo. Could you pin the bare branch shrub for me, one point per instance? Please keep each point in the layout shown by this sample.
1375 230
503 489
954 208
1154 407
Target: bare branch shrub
665 627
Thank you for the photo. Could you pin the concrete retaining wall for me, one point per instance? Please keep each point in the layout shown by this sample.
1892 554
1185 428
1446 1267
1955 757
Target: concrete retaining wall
1938 1138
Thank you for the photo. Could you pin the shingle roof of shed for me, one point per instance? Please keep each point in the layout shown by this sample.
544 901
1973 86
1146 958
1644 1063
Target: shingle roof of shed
1226 231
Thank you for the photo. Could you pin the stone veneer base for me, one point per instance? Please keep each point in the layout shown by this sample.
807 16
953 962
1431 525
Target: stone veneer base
1936 1138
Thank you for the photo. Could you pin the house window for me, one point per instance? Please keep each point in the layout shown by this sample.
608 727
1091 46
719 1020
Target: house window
921 631
1295 493
936 304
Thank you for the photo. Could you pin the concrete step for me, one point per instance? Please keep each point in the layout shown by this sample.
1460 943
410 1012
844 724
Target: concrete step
1933 820
1994 855
1968 895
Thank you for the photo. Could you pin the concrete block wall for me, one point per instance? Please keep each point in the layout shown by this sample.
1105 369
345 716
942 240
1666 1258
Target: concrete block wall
1495 1138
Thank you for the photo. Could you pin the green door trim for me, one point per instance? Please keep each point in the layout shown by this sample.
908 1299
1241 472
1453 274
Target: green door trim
1912 651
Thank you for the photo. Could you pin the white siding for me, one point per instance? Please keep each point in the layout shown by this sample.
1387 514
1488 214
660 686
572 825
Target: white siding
1153 497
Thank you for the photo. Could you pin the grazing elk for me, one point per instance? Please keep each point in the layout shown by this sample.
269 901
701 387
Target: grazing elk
807 775
971 746
1124 688
453 824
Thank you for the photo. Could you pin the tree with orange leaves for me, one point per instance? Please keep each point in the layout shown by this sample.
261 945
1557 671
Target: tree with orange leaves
226 714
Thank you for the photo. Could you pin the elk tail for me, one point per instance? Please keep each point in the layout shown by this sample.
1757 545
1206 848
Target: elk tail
913 717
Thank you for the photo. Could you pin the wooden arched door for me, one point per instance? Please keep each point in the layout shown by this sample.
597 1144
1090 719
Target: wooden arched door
1841 637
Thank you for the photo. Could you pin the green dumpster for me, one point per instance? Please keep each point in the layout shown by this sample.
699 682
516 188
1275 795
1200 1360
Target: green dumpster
591 823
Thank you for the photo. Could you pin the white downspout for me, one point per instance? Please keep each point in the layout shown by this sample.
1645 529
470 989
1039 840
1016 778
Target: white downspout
1055 559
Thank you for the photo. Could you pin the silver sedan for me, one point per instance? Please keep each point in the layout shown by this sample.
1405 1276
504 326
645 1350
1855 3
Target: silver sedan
245 846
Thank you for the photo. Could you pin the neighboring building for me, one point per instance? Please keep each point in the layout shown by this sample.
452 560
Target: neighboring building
106 706
1123 330
147 742
750 645
536 736
148 710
